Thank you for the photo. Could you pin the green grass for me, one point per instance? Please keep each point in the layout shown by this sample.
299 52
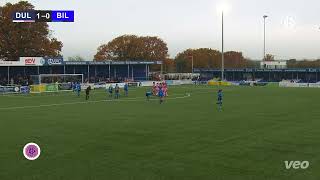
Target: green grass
185 138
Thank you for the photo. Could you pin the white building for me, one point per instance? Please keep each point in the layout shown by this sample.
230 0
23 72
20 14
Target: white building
273 64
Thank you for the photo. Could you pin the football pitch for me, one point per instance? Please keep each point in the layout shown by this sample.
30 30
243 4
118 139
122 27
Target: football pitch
186 138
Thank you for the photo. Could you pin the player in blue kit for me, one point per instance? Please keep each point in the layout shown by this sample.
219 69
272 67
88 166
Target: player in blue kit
161 95
73 86
148 95
126 89
110 90
78 89
220 96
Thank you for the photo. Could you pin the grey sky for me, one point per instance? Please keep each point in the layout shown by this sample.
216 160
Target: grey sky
292 27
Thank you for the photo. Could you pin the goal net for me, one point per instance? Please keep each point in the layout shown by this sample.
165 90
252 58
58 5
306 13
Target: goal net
54 82
56 78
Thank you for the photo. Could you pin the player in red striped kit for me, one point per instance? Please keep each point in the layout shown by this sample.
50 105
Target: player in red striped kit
165 89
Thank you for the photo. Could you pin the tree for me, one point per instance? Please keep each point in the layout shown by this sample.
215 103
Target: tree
293 63
251 63
202 58
269 57
234 59
25 39
210 58
153 48
169 66
76 58
132 47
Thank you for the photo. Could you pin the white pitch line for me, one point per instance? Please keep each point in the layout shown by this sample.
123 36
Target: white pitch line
86 102
67 93
52 94
57 104
167 98
15 96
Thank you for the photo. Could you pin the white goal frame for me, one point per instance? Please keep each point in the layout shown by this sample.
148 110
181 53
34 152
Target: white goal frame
40 76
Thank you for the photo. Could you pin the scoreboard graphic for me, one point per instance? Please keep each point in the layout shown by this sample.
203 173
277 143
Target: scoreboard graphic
43 16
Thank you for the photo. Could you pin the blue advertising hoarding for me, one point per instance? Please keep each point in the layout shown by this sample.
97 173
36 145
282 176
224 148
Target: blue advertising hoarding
53 61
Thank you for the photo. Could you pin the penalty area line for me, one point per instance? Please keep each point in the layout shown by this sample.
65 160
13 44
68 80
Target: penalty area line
88 102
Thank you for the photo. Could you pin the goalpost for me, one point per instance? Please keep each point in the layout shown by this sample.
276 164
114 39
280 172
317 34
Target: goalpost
54 82
56 78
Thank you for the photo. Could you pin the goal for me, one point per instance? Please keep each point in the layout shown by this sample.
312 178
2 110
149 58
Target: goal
56 78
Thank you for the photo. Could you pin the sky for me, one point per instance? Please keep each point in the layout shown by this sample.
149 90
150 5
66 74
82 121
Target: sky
292 26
